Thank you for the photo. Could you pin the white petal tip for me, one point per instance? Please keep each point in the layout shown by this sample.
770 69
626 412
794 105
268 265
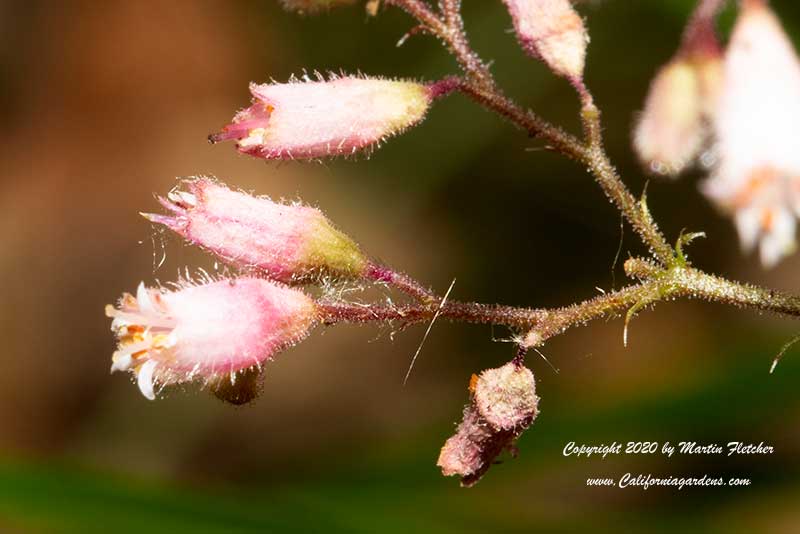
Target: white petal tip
145 379
143 299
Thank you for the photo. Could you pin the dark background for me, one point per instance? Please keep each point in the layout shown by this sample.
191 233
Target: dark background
105 103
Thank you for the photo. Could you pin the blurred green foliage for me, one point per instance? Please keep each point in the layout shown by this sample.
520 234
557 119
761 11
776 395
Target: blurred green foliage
395 487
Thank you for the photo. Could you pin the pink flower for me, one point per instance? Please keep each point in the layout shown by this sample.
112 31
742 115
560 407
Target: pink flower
205 331
757 125
288 242
552 31
504 404
675 126
315 119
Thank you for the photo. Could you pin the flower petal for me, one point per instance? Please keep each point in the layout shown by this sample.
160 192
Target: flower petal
145 379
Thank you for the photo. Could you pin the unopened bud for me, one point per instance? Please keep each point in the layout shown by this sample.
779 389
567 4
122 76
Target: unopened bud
641 269
316 119
504 404
288 242
552 31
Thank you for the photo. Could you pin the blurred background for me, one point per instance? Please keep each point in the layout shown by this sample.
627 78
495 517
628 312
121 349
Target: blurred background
104 104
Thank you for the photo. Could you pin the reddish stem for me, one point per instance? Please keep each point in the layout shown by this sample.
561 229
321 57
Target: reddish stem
400 281
406 315
700 36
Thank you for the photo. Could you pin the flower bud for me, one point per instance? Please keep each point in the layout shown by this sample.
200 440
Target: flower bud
552 31
288 242
316 119
504 404
674 126
757 125
313 6
206 331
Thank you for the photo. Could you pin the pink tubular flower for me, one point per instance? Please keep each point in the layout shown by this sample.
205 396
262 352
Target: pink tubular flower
552 31
504 404
288 242
205 331
757 125
316 119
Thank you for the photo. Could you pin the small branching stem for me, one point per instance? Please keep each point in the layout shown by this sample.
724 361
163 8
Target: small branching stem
449 28
400 281
691 282
699 35
635 211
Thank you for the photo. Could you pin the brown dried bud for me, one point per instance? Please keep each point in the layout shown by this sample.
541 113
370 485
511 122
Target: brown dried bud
506 396
504 404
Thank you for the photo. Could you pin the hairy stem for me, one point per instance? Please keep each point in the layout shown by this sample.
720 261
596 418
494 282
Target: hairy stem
481 87
450 29
410 314
591 153
699 35
400 281
542 324
696 283
529 121
636 212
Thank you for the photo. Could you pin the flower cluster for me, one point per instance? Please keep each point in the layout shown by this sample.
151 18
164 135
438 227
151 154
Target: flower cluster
746 105
213 330
225 327
744 102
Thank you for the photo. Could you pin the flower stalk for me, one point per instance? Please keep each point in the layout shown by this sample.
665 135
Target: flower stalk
541 324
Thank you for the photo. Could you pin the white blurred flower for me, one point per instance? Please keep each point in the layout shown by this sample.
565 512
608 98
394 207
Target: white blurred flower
757 126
